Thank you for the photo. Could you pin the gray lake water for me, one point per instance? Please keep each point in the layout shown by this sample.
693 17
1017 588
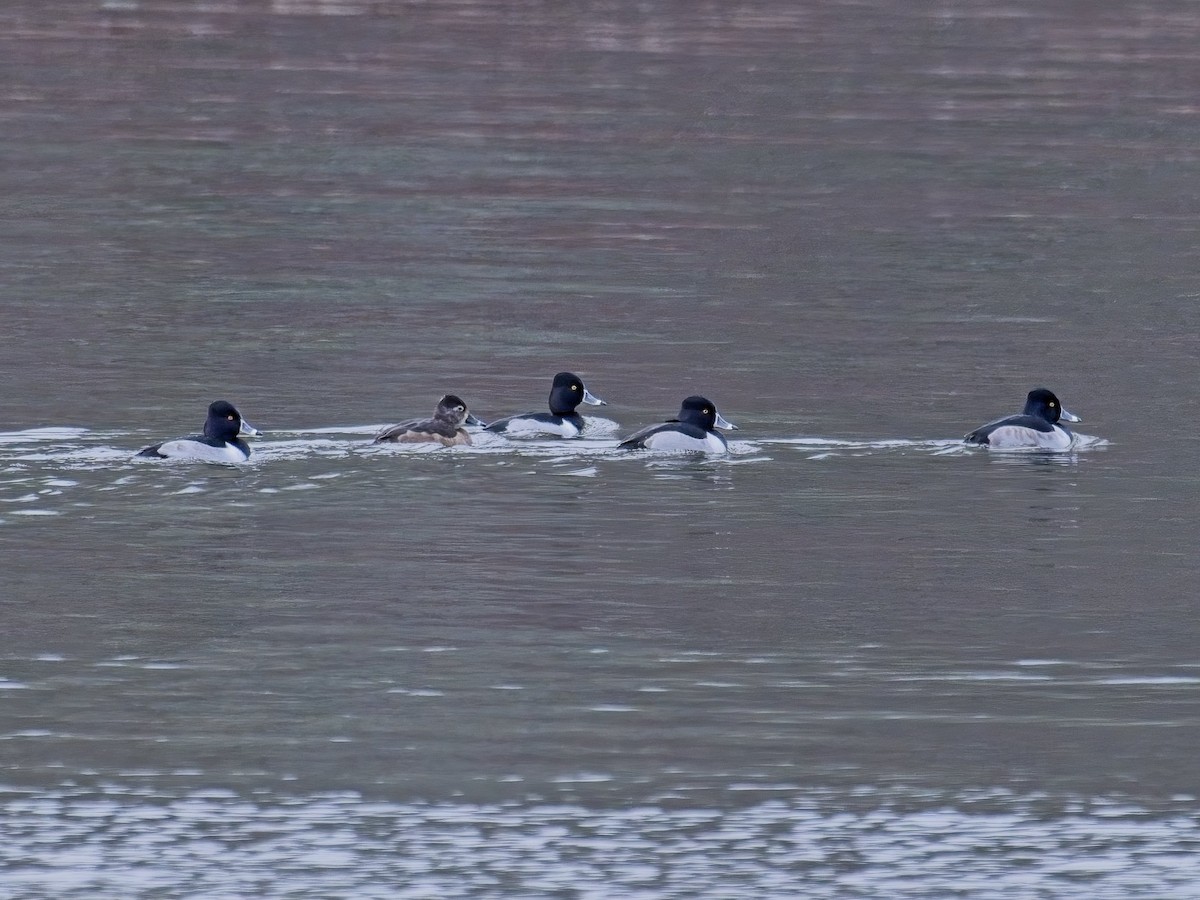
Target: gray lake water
850 659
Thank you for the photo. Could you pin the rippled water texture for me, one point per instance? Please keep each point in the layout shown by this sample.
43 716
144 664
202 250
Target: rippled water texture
850 658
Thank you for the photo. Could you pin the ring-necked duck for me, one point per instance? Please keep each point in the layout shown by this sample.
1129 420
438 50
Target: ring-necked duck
693 430
221 441
566 393
445 428
1035 428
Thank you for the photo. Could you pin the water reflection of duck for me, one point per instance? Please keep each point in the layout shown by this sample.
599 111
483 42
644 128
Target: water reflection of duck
445 427
693 430
1035 428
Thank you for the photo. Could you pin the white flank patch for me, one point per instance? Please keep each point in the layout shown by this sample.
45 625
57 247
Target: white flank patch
674 440
1016 437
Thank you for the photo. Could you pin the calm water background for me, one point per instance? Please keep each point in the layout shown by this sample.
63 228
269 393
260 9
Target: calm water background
850 660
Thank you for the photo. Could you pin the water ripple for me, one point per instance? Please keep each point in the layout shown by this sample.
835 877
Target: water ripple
985 844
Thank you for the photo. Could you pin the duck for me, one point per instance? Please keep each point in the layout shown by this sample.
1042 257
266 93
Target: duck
445 427
221 441
567 391
692 430
1035 428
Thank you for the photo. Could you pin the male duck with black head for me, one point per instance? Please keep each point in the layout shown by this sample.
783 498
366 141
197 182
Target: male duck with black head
693 430
566 393
1035 428
445 427
221 441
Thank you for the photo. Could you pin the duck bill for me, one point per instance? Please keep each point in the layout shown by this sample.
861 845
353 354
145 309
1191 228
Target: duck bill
591 399
1068 416
472 419
248 430
722 422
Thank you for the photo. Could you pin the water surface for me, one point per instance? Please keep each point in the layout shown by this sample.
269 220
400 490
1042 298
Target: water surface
850 659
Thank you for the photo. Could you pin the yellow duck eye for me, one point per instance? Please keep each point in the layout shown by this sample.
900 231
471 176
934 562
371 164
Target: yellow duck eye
1052 404
574 387
230 418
